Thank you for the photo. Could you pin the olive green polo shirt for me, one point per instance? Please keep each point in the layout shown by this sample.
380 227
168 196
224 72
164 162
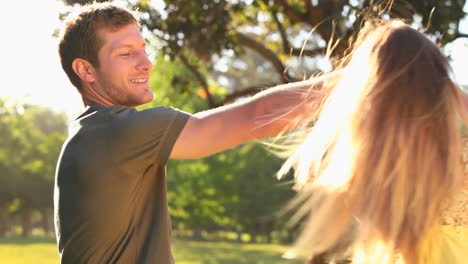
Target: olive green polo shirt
110 186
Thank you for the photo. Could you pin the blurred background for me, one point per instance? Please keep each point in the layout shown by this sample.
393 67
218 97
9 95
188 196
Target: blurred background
206 53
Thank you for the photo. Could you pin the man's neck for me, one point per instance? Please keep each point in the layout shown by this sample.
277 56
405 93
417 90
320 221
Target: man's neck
90 96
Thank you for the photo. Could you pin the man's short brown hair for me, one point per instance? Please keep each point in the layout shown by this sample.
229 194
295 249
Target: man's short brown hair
79 38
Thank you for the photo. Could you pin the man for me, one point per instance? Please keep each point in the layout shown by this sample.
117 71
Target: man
110 192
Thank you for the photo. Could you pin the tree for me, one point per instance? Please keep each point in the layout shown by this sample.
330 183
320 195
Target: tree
31 140
255 198
217 192
199 33
213 52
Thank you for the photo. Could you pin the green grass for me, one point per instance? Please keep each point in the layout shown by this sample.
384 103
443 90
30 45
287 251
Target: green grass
28 250
43 251
194 252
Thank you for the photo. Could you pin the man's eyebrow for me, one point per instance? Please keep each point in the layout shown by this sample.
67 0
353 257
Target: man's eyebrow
143 45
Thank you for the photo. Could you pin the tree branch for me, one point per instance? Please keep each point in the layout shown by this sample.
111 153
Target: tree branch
200 78
461 35
266 53
244 92
284 37
287 49
308 5
291 12
314 16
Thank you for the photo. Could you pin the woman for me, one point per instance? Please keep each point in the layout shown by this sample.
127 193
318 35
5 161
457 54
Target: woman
383 158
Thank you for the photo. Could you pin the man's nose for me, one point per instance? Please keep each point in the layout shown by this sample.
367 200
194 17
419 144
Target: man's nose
145 64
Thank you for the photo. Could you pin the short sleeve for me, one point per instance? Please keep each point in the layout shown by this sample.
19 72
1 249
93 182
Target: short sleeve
138 139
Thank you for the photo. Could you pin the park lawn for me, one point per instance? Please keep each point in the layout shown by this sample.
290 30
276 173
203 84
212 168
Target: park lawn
194 252
28 250
43 251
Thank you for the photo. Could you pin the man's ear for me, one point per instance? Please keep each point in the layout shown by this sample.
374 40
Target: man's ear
84 69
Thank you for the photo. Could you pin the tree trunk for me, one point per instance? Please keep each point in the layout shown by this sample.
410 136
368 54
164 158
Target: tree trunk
239 235
253 236
26 223
269 239
290 237
197 233
266 227
4 224
46 221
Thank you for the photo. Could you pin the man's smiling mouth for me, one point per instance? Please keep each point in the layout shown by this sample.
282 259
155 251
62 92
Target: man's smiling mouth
139 80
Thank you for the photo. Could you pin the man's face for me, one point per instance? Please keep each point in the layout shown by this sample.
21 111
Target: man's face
123 72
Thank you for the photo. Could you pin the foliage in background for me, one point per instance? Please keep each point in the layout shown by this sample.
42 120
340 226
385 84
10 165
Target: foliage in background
213 52
209 53
212 37
32 136
234 190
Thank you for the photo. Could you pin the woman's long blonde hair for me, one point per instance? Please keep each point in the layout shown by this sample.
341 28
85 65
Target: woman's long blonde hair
383 157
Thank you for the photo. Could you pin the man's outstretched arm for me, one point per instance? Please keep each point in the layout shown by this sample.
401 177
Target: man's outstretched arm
266 114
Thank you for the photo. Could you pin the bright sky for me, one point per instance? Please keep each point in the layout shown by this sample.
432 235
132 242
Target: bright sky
30 70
